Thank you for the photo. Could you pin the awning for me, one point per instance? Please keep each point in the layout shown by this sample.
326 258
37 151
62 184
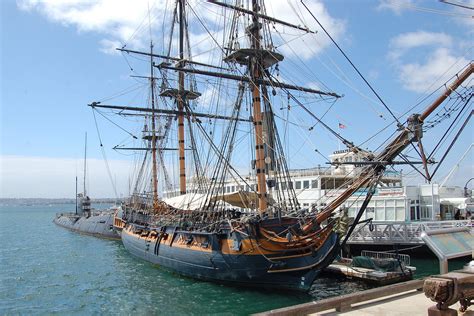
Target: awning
188 201
243 199
194 201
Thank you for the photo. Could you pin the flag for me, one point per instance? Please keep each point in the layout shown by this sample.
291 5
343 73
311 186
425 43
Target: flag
342 126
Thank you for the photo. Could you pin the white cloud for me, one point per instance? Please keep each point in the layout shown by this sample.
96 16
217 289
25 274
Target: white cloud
44 177
396 7
424 59
116 19
407 41
314 85
109 46
124 21
307 45
419 77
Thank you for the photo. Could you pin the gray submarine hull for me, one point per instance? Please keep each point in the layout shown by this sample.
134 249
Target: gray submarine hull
98 224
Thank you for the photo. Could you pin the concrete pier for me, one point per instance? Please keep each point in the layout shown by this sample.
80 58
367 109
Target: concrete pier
398 300
411 303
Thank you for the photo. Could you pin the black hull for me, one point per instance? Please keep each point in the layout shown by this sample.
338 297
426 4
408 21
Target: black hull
97 225
253 270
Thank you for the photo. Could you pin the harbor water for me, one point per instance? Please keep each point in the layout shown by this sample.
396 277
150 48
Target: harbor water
45 269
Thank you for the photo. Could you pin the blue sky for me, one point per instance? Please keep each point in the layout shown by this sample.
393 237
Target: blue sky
56 57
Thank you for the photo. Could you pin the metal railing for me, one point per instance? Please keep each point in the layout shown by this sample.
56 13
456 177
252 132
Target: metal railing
400 232
387 255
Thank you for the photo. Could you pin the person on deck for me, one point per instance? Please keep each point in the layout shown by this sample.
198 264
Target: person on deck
457 215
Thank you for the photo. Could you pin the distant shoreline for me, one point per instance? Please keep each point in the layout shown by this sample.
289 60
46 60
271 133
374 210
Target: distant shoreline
41 201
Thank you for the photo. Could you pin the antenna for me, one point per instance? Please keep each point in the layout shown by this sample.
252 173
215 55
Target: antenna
76 194
85 164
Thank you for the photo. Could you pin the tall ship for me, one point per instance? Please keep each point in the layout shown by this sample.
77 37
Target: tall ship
236 214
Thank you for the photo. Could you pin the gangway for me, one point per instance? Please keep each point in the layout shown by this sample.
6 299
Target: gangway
407 233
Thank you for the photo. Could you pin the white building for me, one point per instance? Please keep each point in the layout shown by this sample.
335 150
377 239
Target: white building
316 187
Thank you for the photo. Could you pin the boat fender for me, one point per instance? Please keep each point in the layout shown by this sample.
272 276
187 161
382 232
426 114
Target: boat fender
371 227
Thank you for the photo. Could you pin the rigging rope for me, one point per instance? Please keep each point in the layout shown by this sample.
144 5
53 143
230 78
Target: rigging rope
353 66
104 156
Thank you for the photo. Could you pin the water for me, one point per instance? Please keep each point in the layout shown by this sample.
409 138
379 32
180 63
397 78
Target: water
45 269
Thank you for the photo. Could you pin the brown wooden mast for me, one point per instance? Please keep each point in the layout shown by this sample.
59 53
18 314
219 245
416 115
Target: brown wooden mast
413 132
153 131
182 161
256 73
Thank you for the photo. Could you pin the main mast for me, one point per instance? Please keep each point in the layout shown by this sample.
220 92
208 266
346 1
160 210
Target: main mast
182 162
153 131
256 74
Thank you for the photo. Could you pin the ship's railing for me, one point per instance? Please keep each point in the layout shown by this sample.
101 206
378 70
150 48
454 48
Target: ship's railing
387 255
400 232
311 172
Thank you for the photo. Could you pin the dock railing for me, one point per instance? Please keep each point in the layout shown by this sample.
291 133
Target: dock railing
387 255
400 232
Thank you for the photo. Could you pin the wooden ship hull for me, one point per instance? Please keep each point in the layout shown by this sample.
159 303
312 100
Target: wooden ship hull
273 242
234 257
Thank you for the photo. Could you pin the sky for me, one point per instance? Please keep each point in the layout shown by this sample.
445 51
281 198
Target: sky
58 56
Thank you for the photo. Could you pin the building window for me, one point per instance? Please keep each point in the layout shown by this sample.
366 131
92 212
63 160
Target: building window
426 207
306 184
400 210
314 184
298 185
379 210
352 211
370 213
389 210
414 212
426 212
